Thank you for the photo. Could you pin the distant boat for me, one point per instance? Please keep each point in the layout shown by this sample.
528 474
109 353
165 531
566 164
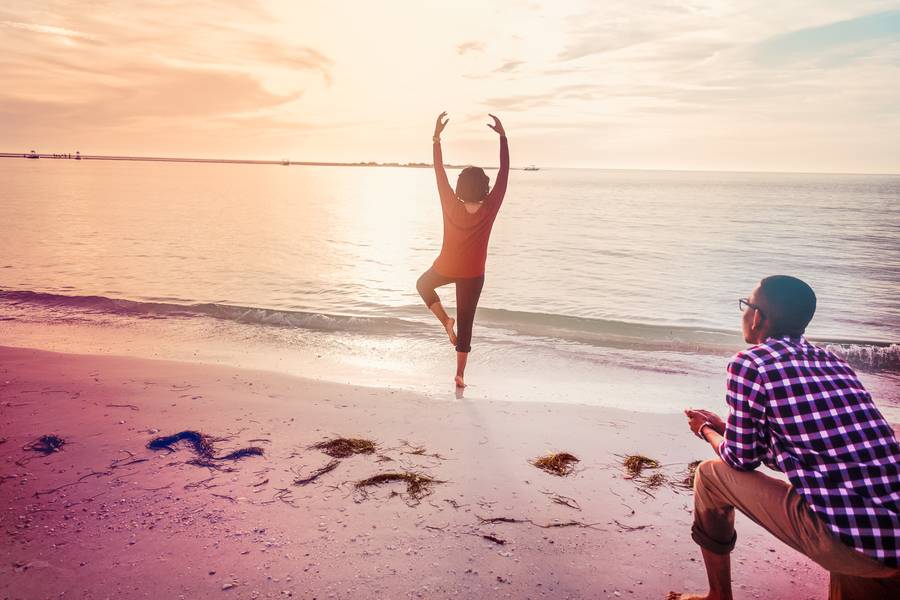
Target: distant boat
32 154
531 168
286 162
78 155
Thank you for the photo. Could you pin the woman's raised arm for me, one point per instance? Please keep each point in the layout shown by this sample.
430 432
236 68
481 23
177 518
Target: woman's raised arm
442 182
499 189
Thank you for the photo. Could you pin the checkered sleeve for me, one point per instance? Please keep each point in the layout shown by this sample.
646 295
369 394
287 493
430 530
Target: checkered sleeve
744 446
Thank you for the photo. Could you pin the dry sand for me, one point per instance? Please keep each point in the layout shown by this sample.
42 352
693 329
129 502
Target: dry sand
106 517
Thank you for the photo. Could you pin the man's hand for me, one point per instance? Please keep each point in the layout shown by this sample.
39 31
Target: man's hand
697 417
439 125
497 126
715 420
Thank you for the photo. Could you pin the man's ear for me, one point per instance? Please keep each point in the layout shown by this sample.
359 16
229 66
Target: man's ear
758 321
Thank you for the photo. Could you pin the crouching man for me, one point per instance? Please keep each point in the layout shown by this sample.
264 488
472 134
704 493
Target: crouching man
800 410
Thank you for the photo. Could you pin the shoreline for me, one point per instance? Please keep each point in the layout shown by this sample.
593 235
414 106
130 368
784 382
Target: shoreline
419 361
105 513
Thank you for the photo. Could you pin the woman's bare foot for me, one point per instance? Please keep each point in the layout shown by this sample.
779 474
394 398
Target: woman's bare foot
449 327
459 381
680 596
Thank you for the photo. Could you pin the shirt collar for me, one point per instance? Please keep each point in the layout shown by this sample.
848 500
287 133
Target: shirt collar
799 340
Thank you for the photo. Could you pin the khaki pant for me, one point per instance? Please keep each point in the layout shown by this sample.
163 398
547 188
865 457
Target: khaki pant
776 507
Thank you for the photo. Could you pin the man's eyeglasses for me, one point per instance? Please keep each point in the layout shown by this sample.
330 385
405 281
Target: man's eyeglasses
744 304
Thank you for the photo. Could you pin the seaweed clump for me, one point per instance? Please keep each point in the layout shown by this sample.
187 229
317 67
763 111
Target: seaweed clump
344 447
202 445
200 442
558 463
301 480
653 481
241 453
417 485
636 463
47 444
688 481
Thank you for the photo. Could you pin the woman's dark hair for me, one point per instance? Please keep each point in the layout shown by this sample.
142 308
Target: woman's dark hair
472 185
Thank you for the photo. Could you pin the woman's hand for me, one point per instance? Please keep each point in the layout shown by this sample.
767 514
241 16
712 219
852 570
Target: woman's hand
497 126
439 125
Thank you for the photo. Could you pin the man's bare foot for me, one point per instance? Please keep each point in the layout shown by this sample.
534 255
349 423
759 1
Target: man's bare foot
449 327
680 596
459 381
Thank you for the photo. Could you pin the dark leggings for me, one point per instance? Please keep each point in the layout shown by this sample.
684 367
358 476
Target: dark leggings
468 290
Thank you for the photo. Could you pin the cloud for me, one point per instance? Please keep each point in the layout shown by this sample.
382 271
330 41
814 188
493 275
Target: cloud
297 57
509 66
600 40
600 32
49 30
151 68
157 116
470 47
291 56
174 94
680 35
521 102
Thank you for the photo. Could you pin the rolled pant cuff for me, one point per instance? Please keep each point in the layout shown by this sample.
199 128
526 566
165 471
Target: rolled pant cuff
714 546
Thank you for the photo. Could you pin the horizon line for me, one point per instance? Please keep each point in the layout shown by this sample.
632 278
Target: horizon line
246 161
410 165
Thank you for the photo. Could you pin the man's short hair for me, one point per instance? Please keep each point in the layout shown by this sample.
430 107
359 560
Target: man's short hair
791 304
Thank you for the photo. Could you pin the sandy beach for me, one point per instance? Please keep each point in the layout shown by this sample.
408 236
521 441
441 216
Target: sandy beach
107 517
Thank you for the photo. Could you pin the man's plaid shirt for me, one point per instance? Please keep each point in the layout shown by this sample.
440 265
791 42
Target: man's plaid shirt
801 410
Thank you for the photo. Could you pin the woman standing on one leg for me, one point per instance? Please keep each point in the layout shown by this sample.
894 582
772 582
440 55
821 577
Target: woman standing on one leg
469 214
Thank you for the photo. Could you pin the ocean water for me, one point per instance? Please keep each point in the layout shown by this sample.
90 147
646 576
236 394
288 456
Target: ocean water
635 271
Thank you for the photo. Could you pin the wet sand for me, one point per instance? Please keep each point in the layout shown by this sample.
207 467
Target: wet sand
106 517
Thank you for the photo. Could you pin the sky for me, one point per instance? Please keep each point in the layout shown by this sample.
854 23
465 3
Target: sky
804 85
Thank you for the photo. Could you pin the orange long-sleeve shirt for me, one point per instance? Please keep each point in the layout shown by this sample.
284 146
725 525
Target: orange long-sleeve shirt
466 235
